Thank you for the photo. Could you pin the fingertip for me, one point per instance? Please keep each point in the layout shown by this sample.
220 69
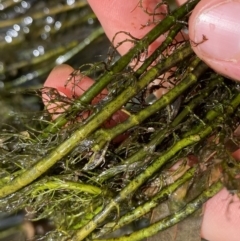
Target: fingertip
221 219
127 16
214 34
68 84
61 78
58 76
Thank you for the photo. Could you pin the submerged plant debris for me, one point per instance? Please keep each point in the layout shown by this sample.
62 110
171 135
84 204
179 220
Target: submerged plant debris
90 174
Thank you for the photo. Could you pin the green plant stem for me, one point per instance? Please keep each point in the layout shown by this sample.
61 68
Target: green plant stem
41 14
68 185
137 182
149 171
107 135
91 125
169 39
103 136
148 206
87 217
72 48
122 63
173 219
159 137
218 110
203 94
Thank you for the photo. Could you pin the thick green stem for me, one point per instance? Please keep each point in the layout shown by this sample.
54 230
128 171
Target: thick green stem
133 120
148 206
137 182
91 125
219 110
118 66
68 185
150 170
169 39
173 219
122 63
66 52
42 14
203 94
159 137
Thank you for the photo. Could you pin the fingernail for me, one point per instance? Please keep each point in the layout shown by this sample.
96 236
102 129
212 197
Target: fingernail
216 32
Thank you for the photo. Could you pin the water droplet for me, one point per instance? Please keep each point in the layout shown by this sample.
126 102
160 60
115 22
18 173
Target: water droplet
12 33
60 60
70 2
41 49
28 20
57 25
44 36
150 129
90 21
36 53
32 75
25 4
8 39
47 28
49 20
18 9
25 29
16 27
29 76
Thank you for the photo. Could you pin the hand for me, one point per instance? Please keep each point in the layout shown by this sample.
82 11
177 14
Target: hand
219 22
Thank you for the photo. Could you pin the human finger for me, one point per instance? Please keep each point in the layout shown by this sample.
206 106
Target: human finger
128 16
214 30
69 84
134 17
180 2
61 78
221 217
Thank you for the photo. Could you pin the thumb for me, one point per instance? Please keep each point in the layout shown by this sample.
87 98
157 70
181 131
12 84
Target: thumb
214 30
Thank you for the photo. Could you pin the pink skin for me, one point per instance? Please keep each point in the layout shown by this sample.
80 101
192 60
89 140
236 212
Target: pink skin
219 21
116 16
59 79
221 218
